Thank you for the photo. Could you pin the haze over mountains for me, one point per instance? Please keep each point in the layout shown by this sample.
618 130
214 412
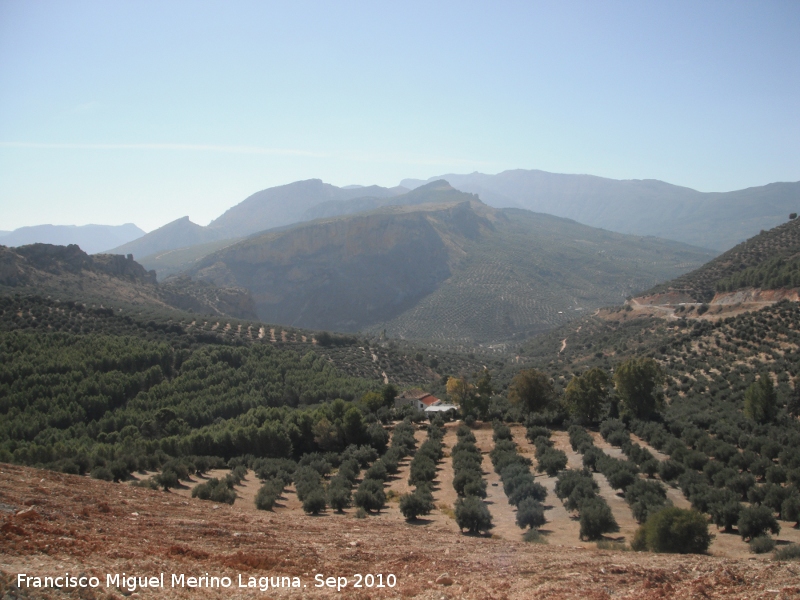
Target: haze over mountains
716 220
437 263
267 209
450 269
638 207
91 238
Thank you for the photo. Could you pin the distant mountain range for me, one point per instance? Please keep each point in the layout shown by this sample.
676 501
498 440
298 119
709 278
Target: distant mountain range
451 268
267 209
716 220
91 238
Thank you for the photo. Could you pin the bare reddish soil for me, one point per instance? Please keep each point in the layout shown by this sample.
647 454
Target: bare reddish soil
53 523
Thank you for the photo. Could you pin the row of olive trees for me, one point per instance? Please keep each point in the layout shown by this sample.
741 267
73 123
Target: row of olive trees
470 511
422 474
518 482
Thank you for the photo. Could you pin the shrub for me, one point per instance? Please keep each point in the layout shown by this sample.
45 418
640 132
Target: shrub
471 514
533 536
790 552
530 513
596 519
314 502
756 521
673 530
339 497
527 489
370 495
670 469
268 494
725 514
762 544
216 490
552 461
420 502
104 473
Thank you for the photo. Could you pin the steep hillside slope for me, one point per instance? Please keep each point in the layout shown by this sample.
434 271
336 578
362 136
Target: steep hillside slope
346 273
454 271
66 272
267 209
641 207
177 234
91 238
171 262
536 271
767 261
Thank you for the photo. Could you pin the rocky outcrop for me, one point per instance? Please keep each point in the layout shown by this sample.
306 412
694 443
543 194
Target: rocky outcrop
68 272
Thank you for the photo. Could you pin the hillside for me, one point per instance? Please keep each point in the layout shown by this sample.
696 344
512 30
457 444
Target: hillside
66 272
434 192
172 262
767 261
458 271
177 234
267 209
286 204
717 220
91 238
171 533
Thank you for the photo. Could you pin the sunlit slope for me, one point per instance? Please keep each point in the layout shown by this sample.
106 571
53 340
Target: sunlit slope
768 260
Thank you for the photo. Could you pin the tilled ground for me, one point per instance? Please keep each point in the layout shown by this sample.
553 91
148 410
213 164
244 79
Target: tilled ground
53 523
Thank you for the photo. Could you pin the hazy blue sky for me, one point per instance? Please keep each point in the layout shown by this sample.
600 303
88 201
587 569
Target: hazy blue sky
143 112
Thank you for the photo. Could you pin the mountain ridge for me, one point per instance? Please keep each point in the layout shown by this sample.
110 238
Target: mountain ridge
637 206
491 274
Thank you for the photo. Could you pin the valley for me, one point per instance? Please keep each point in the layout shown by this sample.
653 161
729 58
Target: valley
156 394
